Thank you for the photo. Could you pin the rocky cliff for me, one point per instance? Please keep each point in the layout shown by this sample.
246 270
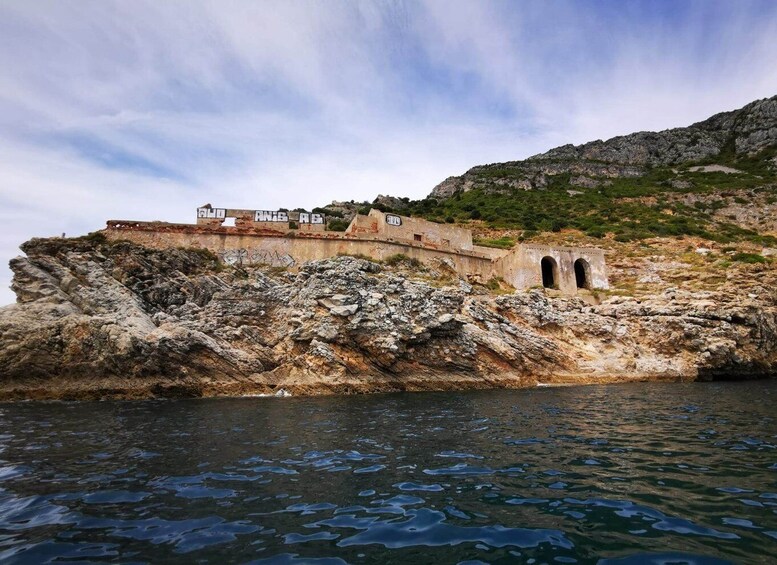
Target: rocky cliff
95 319
745 132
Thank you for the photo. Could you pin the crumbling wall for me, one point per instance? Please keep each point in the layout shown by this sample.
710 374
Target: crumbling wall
236 246
520 267
403 228
523 267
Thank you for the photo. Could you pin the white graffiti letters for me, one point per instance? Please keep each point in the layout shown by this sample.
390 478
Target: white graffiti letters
219 213
270 216
393 220
306 218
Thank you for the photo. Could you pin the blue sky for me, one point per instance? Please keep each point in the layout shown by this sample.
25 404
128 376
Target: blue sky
145 110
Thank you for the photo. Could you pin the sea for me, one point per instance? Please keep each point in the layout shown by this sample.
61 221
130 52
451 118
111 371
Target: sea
649 473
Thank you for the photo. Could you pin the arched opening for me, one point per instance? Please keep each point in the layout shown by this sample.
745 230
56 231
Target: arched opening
582 274
549 272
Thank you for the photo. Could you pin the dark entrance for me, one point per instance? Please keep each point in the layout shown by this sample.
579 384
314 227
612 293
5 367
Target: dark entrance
582 276
549 271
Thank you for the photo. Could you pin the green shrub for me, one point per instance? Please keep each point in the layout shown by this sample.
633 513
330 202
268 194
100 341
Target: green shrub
501 243
749 258
401 258
337 225
95 237
494 283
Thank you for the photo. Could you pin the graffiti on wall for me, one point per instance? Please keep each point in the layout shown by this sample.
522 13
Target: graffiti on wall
307 218
393 220
218 213
256 257
270 216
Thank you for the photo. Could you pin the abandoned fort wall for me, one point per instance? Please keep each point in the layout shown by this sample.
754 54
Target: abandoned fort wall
236 247
416 230
523 268
568 269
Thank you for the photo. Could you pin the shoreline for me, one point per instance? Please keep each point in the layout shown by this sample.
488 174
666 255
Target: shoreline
325 386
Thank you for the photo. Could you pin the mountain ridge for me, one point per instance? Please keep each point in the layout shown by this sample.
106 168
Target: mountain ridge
750 129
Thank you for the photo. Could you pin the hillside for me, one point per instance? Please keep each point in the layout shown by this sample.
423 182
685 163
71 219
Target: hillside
716 180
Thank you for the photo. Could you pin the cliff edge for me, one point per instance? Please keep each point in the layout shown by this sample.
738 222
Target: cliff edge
98 319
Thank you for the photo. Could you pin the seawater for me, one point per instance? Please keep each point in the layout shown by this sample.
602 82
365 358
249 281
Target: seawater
640 473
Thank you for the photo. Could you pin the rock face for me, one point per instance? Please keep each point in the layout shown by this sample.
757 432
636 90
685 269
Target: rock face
746 131
116 320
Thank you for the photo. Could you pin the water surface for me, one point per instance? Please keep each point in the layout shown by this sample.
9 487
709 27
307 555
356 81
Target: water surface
641 473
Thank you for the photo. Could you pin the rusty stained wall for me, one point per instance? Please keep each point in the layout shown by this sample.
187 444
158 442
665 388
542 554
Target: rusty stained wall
522 267
293 251
246 219
441 236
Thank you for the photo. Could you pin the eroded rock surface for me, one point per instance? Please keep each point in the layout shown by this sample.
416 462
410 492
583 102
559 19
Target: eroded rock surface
98 320
745 131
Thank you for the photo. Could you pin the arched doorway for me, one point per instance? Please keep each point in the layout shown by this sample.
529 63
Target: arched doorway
582 273
549 272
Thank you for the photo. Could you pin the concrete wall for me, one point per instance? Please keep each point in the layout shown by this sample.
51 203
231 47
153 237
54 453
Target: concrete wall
404 228
234 245
522 267
278 221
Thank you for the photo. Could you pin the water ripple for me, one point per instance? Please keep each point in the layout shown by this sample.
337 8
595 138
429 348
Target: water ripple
619 474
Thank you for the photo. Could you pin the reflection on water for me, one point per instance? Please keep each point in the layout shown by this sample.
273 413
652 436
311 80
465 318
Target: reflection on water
653 473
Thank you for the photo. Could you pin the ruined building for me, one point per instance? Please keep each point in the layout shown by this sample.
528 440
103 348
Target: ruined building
288 239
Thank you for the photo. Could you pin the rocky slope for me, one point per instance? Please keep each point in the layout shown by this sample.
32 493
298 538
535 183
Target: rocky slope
748 131
116 320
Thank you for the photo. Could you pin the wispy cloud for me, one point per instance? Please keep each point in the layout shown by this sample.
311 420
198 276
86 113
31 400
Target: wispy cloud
144 110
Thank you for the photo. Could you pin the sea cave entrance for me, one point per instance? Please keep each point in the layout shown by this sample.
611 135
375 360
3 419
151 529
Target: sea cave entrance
582 273
549 272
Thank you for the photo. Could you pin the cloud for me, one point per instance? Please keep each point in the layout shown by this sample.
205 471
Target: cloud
144 110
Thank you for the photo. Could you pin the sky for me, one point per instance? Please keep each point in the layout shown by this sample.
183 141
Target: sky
144 110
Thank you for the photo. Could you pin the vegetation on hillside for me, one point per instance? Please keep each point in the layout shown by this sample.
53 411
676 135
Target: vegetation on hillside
629 208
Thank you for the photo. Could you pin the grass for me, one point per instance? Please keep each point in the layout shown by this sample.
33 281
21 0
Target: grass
501 243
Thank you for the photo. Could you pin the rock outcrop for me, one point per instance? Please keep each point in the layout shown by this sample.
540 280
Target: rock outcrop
746 131
95 319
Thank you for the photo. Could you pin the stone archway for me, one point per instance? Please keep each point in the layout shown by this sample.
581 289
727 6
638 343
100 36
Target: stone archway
549 272
582 273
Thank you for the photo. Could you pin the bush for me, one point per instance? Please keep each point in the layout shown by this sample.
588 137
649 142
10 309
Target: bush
337 225
328 212
95 237
400 258
595 232
501 243
749 258
494 283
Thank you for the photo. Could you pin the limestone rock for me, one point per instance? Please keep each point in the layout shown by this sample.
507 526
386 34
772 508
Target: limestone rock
751 129
95 319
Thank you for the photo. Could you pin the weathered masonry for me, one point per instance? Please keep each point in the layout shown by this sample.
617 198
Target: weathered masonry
287 239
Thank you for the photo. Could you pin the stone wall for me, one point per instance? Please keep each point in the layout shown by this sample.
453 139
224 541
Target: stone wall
242 246
403 228
522 268
277 220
